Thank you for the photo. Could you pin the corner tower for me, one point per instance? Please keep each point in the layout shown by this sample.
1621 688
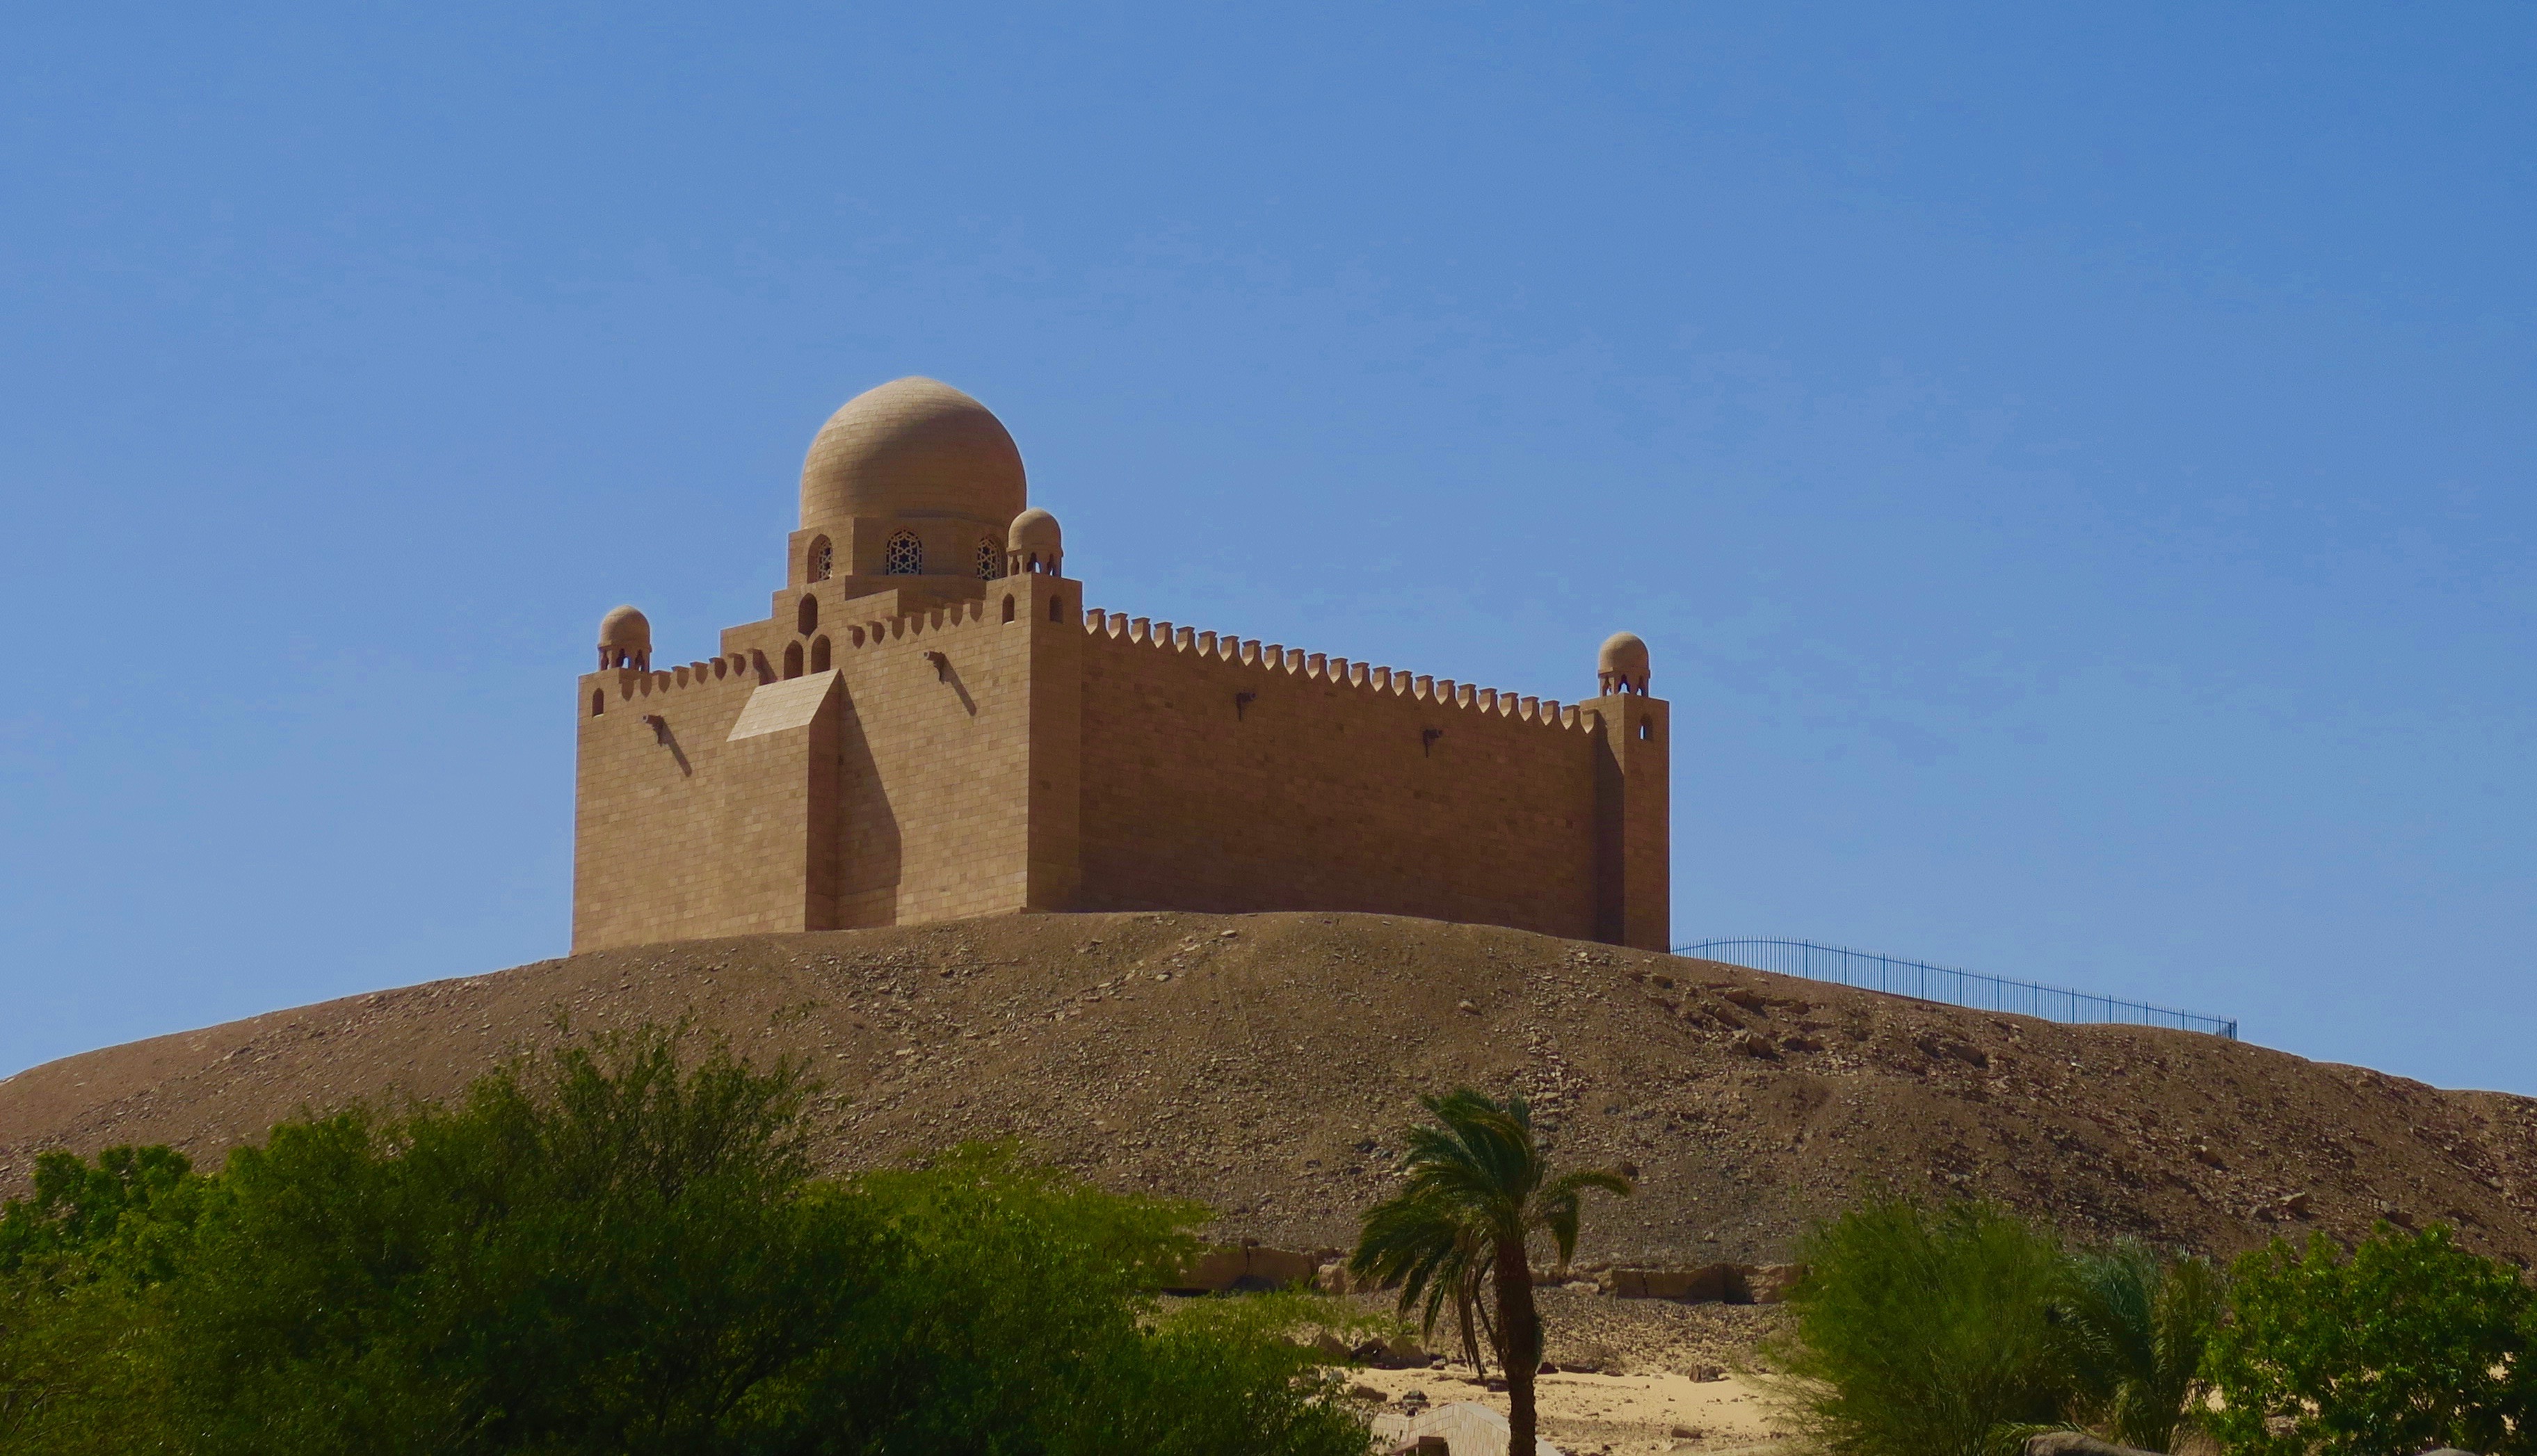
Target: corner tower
1633 795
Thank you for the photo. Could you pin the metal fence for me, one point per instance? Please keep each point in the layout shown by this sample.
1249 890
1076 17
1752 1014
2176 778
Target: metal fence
1872 972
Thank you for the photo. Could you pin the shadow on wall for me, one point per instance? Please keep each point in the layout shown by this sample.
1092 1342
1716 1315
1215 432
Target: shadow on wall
868 869
661 734
943 672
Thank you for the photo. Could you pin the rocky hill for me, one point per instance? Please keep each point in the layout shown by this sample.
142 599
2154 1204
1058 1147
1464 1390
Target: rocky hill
1266 1065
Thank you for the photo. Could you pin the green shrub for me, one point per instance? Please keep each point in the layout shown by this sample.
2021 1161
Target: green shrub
77 1208
80 1354
612 1252
1921 1333
626 1258
1215 1375
2409 1344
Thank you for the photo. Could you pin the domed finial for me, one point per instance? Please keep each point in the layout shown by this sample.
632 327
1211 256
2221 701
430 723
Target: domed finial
626 639
1034 544
1622 665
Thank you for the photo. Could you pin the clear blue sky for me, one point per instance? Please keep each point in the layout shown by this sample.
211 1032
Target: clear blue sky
2072 465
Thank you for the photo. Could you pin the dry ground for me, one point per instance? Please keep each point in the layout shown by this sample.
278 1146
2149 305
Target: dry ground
1265 1064
1613 1415
1674 1377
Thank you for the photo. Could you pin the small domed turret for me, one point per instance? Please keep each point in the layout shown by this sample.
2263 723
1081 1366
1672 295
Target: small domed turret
1034 544
1622 665
626 639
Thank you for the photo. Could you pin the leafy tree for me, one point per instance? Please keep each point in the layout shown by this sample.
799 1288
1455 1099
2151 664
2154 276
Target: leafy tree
76 1208
2410 1343
1017 1283
1459 1234
626 1256
618 1249
1215 1375
81 1265
2140 1322
79 1368
1921 1333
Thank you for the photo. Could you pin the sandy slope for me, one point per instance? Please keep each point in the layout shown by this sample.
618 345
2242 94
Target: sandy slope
1265 1063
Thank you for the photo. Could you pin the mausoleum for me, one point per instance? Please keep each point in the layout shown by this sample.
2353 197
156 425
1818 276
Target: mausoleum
930 724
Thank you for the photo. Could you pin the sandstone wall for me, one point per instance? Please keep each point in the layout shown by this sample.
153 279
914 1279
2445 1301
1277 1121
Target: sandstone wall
873 761
677 830
908 798
933 758
1272 780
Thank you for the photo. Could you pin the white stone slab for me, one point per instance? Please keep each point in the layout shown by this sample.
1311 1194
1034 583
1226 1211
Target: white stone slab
777 705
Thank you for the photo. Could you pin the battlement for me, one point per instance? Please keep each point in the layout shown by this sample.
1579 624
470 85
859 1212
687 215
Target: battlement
880 631
916 731
1341 672
752 668
735 669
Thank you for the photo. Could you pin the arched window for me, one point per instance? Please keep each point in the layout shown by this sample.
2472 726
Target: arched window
1008 608
806 617
819 655
793 661
990 560
598 703
822 560
903 556
1647 731
1056 609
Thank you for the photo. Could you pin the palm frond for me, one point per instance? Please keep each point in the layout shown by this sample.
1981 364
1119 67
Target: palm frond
1561 1205
1476 1188
2137 1322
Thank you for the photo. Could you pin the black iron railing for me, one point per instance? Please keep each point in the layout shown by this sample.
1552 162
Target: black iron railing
1897 977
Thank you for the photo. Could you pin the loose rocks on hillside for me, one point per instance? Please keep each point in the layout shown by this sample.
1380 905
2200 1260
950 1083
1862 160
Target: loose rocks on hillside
1269 1072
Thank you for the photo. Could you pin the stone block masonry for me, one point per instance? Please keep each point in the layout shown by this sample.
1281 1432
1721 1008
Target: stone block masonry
1222 775
920 731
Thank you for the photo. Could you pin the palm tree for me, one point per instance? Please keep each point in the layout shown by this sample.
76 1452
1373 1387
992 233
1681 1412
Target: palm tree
1460 1235
2140 1322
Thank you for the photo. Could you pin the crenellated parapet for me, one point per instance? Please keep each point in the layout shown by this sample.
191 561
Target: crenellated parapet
734 670
916 731
1274 659
883 631
753 668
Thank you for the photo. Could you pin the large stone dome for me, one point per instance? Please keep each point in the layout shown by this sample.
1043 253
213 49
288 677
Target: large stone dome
912 447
